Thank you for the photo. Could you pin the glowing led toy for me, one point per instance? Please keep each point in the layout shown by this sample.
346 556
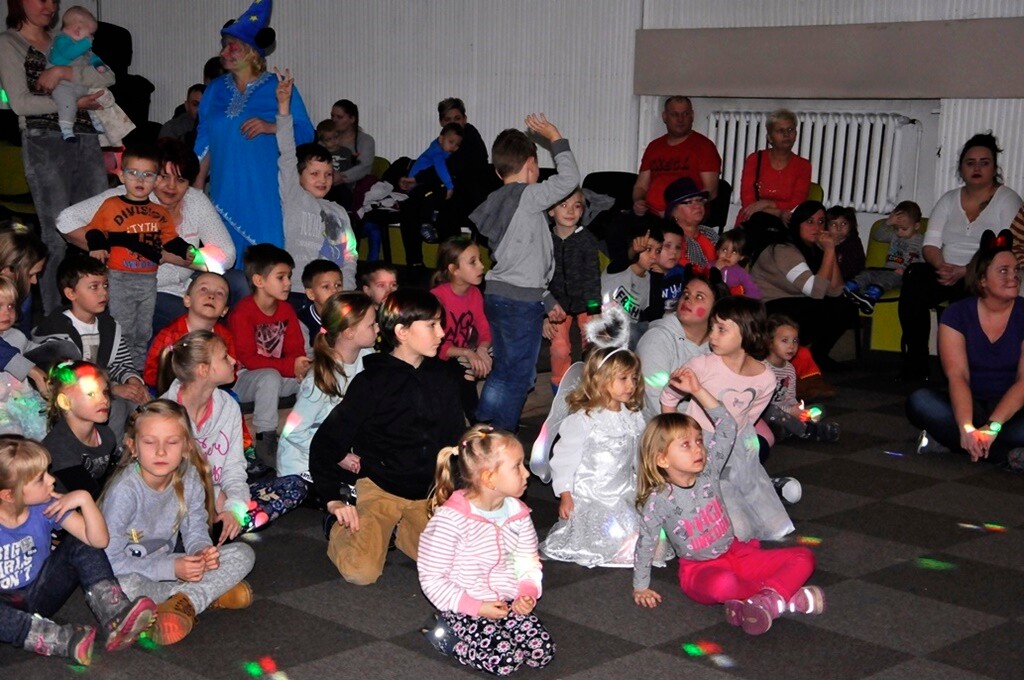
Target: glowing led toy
210 258
894 454
811 413
657 380
922 442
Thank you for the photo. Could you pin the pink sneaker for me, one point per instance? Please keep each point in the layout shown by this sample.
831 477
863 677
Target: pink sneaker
807 600
753 617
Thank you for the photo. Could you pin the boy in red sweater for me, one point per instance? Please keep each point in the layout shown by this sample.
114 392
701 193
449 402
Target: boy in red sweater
268 337
206 302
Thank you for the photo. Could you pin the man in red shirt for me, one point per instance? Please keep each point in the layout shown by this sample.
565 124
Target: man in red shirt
681 152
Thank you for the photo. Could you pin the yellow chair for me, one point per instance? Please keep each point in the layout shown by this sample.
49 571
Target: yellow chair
14 191
886 333
380 166
816 193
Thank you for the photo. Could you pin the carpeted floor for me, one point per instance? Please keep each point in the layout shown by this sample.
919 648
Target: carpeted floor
912 592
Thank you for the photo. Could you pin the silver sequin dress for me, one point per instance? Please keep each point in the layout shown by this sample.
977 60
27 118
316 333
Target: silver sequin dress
595 460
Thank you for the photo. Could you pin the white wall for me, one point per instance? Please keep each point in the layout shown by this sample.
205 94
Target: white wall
958 119
570 58
396 59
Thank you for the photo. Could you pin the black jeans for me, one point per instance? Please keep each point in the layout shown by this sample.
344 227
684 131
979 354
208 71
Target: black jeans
932 411
920 293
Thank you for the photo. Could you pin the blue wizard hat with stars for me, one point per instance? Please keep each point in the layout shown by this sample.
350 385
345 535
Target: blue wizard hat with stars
252 27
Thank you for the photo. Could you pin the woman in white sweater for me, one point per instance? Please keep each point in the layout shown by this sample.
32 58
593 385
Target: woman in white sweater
196 219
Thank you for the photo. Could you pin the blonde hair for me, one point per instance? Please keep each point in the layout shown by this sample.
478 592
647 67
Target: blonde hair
658 434
166 408
476 452
257 63
21 461
181 359
341 312
600 369
64 375
9 290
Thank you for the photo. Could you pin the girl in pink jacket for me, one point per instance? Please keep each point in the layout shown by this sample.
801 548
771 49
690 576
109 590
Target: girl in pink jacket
478 560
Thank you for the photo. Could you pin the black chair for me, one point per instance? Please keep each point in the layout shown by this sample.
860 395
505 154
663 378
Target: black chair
718 209
618 185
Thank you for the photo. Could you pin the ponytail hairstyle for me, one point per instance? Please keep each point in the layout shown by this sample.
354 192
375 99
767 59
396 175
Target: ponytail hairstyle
20 251
165 408
90 378
21 461
750 316
659 433
181 359
600 369
341 311
448 254
474 454
350 109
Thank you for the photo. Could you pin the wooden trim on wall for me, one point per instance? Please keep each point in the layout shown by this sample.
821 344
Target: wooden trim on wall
974 58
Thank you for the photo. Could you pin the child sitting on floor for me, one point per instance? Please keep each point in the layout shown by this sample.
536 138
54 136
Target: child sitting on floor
349 333
478 559
35 582
679 496
161 494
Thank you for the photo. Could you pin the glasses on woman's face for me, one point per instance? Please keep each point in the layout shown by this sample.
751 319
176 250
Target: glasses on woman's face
142 175
697 200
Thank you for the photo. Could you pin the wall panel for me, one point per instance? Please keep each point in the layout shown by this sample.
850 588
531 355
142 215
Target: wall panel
396 59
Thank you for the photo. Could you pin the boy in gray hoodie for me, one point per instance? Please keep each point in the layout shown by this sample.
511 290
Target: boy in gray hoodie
514 221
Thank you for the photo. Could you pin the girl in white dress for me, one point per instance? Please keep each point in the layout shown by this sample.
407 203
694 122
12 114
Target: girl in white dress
593 464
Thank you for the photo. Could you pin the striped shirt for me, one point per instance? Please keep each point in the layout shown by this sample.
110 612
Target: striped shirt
466 560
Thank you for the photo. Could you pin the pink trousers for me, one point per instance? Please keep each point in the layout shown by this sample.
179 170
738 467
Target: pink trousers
745 569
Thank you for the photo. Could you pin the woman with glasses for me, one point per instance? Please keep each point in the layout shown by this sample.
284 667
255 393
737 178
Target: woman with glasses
980 341
194 216
775 180
58 172
958 219
799 276
686 206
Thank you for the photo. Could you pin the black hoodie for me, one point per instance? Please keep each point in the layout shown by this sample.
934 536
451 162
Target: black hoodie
395 418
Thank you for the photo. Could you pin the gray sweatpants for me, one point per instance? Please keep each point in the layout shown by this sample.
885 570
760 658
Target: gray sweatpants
58 175
263 387
886 279
236 561
132 301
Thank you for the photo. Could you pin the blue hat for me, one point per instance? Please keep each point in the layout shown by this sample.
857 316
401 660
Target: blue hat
252 27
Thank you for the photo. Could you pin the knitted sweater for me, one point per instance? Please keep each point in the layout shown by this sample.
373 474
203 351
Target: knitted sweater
465 560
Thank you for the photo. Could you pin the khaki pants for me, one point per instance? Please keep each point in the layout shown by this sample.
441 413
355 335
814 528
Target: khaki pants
359 556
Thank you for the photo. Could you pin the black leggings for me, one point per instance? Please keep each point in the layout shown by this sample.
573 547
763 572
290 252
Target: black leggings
920 293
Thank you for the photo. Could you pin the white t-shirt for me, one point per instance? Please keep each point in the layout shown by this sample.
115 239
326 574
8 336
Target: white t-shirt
959 239
90 333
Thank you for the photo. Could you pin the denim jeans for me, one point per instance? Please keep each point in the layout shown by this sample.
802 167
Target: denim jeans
931 410
132 302
516 334
71 565
58 175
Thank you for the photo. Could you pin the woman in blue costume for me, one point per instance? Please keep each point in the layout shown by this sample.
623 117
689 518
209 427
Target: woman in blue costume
235 140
